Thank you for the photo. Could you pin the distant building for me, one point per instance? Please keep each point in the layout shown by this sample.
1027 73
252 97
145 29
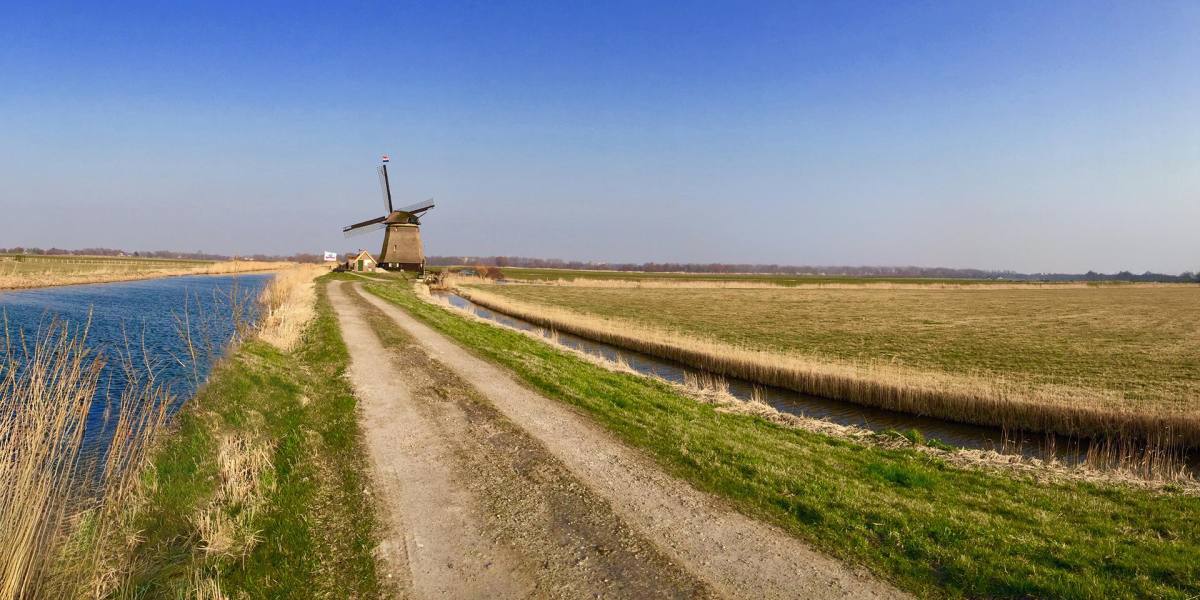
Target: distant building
361 262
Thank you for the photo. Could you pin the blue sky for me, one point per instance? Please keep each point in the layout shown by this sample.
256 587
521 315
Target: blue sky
1032 136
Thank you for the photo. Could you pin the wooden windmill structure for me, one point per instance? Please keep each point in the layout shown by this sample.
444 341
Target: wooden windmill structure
402 249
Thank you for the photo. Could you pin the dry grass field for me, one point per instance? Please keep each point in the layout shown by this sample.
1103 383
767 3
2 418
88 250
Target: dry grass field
1091 356
27 271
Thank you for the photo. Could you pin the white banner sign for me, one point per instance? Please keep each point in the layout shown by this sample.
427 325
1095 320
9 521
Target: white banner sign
331 257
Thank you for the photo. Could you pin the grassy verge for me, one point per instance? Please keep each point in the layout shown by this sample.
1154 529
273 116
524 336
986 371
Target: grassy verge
263 491
931 528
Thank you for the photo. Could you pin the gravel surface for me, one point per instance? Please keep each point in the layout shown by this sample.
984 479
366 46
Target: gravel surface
478 508
555 505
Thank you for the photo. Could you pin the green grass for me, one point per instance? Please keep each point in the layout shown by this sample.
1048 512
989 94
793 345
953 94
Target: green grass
317 528
1139 343
931 528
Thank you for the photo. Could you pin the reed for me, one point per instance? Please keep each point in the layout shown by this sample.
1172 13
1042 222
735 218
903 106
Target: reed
60 507
961 398
289 305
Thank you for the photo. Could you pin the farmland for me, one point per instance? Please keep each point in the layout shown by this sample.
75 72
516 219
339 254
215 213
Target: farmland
26 271
531 274
1124 349
662 279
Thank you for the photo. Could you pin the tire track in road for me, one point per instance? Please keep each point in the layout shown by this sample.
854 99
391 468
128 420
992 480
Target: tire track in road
735 555
479 507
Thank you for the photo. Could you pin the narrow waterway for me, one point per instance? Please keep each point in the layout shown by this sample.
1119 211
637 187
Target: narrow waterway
959 435
143 320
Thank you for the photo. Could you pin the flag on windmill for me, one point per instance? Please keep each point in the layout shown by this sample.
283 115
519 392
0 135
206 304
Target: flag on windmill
385 158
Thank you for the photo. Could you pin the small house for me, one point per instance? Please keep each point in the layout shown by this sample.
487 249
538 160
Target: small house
363 261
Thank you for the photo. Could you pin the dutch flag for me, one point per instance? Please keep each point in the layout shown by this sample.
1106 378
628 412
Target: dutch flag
385 158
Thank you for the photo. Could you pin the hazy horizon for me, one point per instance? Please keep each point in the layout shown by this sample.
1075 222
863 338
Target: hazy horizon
1025 137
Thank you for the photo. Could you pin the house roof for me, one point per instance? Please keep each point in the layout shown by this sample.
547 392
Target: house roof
365 254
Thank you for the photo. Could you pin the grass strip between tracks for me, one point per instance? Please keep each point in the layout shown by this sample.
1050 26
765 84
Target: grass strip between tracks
930 527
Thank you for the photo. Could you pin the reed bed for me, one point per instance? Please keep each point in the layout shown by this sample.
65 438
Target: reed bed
59 506
962 398
289 305
21 275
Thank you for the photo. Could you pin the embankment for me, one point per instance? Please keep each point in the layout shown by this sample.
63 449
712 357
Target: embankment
263 487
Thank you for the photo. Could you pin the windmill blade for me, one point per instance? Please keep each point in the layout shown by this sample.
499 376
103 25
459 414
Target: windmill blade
348 228
385 186
418 208
351 232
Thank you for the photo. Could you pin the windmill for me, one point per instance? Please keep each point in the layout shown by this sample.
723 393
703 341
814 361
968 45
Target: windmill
402 239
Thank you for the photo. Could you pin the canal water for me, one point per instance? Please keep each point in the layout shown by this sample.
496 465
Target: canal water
140 316
959 435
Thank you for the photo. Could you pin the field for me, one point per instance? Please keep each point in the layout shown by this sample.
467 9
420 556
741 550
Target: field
1126 349
571 275
932 528
589 277
26 271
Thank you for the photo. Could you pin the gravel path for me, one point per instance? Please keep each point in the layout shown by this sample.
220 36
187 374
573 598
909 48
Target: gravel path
477 508
730 554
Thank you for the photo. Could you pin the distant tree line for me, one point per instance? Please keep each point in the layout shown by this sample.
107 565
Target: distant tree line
173 254
772 269
653 267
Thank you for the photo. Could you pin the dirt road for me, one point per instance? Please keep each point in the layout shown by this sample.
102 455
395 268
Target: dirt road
496 491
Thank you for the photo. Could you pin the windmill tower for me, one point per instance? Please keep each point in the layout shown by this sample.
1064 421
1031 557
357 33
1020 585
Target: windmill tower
402 239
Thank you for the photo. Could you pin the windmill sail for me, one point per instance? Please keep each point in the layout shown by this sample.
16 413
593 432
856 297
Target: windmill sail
376 220
418 208
385 186
368 228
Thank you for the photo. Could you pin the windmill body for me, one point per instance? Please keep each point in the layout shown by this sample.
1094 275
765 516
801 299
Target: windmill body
402 250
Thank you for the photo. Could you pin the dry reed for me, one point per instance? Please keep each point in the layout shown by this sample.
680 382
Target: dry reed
225 524
961 398
60 508
289 304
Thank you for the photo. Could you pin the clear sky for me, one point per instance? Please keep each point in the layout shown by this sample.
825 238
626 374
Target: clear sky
1036 136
